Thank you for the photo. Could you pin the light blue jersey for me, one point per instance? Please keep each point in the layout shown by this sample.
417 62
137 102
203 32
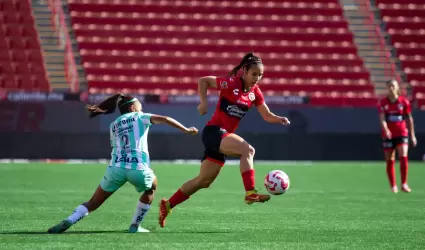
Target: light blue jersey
129 141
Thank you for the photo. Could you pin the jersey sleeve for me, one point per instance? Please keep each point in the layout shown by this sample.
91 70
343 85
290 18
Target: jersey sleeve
259 97
146 118
407 107
223 83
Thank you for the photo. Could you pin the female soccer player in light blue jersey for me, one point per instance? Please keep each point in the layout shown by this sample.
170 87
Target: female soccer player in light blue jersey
129 159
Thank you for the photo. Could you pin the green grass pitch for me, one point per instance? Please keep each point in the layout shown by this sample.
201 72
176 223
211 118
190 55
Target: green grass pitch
329 206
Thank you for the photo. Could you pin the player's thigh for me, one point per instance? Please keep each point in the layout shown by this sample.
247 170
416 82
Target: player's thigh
389 154
234 145
389 149
402 146
113 179
142 180
211 138
209 170
99 196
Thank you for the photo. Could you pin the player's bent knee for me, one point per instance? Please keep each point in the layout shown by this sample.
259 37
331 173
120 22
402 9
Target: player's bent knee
251 151
149 192
153 188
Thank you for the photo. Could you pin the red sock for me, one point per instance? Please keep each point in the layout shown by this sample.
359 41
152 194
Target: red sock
177 198
404 168
391 172
248 178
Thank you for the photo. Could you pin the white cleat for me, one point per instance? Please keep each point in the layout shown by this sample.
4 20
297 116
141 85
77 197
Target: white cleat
137 229
405 188
394 189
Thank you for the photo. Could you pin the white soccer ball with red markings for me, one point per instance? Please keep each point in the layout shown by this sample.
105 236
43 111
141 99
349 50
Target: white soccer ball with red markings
276 182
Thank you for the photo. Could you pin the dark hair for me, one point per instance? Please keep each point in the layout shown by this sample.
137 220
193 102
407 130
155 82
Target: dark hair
109 105
247 61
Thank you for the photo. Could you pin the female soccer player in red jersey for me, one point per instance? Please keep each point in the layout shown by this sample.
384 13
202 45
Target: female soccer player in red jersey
237 95
395 112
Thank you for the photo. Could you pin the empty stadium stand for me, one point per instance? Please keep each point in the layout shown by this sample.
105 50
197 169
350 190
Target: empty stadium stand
21 60
405 22
164 45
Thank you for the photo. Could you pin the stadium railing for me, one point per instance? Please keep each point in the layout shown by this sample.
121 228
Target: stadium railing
59 24
389 65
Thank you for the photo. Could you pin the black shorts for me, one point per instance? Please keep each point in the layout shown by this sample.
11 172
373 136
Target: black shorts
390 144
211 137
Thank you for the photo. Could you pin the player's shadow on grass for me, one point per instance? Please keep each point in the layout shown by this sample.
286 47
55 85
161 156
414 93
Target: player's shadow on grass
70 232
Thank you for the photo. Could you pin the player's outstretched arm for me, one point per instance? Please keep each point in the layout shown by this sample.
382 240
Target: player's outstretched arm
159 119
268 116
204 84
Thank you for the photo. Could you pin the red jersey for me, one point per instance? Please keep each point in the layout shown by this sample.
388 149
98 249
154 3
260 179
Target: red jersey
395 115
234 103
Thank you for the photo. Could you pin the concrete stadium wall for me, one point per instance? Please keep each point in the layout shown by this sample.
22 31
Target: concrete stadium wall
63 130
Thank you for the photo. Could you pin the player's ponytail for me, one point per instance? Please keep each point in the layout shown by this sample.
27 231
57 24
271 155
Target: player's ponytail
108 106
246 63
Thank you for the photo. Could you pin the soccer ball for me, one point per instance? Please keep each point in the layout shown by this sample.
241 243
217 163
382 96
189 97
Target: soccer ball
276 182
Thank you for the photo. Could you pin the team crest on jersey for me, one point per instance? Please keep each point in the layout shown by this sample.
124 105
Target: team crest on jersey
223 85
400 106
386 107
251 97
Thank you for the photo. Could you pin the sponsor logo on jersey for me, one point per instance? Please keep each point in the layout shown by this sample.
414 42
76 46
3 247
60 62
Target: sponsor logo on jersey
236 91
394 118
120 123
223 85
126 159
242 102
234 110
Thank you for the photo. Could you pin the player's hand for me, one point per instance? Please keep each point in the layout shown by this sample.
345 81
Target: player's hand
192 131
414 141
284 121
203 108
388 134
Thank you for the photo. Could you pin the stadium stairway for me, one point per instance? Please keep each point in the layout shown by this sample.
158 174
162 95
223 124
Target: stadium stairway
391 48
54 54
404 24
368 43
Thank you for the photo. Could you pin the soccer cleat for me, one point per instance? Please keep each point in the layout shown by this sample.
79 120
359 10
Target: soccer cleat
253 196
137 229
394 189
60 228
164 210
405 188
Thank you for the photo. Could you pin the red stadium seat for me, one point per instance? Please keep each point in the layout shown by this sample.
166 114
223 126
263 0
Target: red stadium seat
306 45
405 22
9 83
17 35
